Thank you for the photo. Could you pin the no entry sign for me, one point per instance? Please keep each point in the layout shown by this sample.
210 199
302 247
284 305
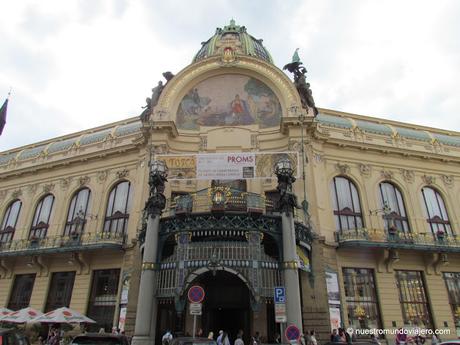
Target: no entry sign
196 294
292 333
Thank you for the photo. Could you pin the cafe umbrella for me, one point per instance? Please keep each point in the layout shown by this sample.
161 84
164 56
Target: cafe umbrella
63 315
22 316
4 312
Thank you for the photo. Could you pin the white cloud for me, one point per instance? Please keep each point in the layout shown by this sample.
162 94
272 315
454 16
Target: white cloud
79 64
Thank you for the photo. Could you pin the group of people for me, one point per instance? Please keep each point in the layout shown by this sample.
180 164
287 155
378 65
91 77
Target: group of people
222 338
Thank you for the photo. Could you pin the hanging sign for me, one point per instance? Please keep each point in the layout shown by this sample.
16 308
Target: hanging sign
225 166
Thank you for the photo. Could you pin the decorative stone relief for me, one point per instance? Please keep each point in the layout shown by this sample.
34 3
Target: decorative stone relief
160 149
16 194
203 143
448 180
32 188
48 187
102 176
318 157
65 182
343 168
3 194
408 175
365 169
386 174
428 179
254 141
122 173
84 180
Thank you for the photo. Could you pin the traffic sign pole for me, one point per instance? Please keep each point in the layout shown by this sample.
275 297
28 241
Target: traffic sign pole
195 296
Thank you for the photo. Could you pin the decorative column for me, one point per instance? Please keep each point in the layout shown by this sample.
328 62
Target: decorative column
287 202
146 315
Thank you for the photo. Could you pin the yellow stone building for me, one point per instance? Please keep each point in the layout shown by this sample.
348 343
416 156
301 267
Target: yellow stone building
377 246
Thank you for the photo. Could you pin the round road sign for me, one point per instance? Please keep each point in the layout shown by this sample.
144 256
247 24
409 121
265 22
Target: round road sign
196 294
292 333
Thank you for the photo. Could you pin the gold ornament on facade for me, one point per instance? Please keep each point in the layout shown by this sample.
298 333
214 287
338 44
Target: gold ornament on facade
148 266
457 313
359 312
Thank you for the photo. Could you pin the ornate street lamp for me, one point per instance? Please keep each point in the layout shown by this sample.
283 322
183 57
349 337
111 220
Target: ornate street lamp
157 179
146 304
285 173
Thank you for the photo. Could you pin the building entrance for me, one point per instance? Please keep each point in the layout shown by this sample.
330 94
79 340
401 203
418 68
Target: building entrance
226 306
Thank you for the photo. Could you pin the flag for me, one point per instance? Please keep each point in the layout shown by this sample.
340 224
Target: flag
3 115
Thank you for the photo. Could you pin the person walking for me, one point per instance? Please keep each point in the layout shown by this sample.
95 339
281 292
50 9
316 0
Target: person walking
225 340
219 337
239 338
312 340
211 335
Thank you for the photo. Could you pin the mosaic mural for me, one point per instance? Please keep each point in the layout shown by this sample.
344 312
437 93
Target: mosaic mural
233 100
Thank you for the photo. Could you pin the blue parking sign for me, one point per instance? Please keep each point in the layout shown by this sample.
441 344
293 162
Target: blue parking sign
280 294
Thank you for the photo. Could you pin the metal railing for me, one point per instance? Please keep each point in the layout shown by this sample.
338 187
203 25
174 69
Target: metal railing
218 199
62 242
401 239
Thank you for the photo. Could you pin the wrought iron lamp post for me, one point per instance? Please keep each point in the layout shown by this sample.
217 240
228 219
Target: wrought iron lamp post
144 332
285 173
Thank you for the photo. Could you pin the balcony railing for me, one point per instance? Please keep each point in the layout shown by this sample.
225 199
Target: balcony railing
397 239
218 199
63 243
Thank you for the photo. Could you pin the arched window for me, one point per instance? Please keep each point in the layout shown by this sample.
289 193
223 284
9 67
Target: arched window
347 208
9 222
76 216
437 216
41 219
117 214
392 201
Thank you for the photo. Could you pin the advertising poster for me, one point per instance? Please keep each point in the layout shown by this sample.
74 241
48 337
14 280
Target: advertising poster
226 166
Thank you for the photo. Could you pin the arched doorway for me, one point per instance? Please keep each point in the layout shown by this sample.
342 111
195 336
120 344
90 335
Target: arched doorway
227 304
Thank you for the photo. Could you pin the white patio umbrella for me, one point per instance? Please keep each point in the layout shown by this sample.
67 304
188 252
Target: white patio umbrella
4 312
21 316
63 315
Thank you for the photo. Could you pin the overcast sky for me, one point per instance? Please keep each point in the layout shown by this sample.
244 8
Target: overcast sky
74 65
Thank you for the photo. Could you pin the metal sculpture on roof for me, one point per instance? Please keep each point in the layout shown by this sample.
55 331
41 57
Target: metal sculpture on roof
299 71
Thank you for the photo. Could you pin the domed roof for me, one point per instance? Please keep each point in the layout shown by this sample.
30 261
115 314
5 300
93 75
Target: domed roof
236 38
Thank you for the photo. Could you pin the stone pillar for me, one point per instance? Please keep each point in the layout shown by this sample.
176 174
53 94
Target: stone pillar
291 272
286 204
144 333
144 330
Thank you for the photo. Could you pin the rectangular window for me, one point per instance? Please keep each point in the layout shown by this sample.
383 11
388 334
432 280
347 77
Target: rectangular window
22 290
60 291
413 299
453 289
103 298
361 298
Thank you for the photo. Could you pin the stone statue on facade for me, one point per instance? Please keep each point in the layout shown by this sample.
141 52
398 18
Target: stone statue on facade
299 71
151 102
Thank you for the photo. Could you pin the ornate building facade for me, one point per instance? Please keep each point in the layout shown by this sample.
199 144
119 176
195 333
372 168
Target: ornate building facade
376 239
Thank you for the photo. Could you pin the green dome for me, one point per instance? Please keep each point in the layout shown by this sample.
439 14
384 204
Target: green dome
235 37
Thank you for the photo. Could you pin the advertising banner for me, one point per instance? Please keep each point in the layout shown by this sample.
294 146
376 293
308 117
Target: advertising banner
225 166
